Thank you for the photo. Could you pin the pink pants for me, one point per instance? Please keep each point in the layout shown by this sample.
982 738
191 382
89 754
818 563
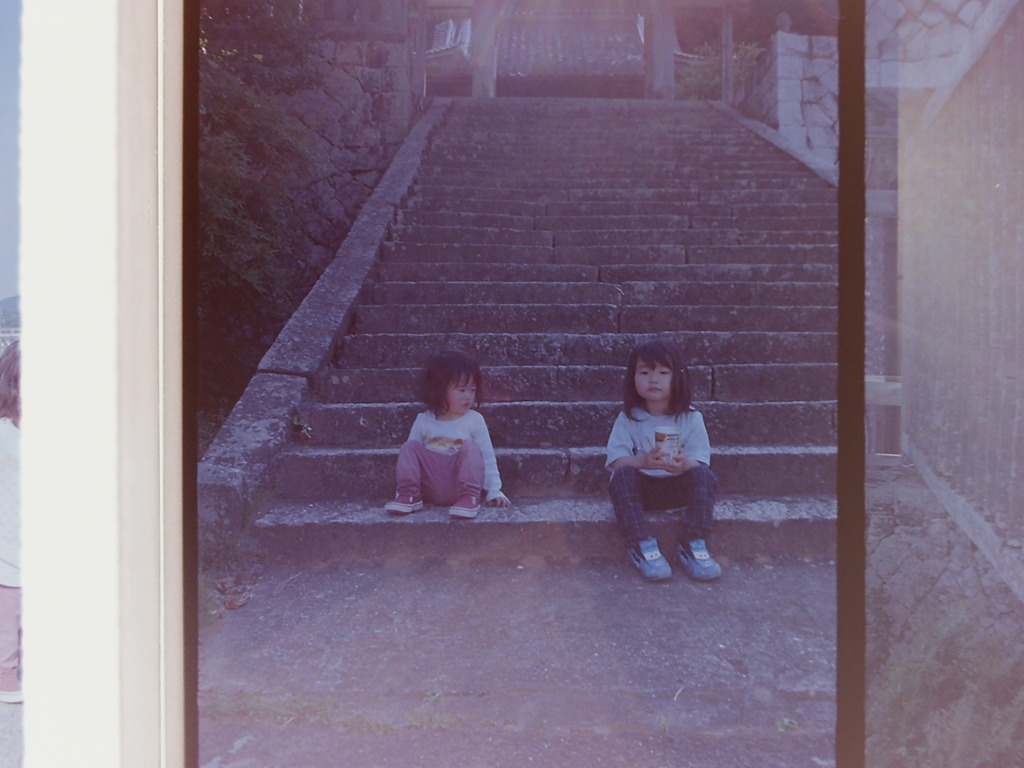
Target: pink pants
10 626
440 478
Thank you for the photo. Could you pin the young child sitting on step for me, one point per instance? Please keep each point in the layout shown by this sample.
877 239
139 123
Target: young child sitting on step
448 458
10 524
659 456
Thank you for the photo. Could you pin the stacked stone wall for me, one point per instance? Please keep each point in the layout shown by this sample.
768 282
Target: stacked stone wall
794 89
961 246
916 42
358 119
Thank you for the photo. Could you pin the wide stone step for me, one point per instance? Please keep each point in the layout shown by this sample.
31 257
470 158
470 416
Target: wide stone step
789 224
492 272
628 293
746 347
584 318
573 237
471 205
746 527
506 318
763 253
320 473
440 161
529 424
464 235
826 194
654 319
494 292
729 383
595 176
460 271
471 252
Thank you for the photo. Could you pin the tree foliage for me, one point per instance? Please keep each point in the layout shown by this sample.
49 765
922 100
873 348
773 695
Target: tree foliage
253 156
702 79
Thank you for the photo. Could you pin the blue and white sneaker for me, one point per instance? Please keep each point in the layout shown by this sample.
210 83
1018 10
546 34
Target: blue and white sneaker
697 562
650 561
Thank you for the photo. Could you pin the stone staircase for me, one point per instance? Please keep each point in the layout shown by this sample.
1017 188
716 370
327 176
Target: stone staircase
546 237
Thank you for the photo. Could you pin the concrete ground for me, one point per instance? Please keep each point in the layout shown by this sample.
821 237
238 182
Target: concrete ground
10 735
463 661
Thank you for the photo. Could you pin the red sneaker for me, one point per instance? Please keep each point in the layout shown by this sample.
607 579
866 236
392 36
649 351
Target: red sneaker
466 507
403 504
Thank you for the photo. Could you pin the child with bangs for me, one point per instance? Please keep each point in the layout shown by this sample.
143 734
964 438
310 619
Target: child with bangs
448 458
659 456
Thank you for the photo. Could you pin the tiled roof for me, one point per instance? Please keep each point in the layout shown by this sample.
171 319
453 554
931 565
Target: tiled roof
570 43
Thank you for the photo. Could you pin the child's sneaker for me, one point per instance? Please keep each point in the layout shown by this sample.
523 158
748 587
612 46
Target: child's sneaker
697 562
403 504
10 687
466 506
648 558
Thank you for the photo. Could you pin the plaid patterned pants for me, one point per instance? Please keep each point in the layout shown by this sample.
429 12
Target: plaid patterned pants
633 493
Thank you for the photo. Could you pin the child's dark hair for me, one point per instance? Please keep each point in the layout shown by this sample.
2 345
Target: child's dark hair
658 352
10 383
443 369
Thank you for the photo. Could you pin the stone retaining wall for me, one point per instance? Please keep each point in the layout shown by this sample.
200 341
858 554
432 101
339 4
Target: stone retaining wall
358 118
794 89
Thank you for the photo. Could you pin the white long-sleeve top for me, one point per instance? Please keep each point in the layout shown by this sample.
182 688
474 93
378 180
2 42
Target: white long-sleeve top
632 437
448 435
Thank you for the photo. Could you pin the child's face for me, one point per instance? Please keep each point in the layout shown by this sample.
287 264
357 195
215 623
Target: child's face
654 385
460 398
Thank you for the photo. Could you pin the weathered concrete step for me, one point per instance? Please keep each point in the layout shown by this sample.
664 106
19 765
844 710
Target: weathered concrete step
826 194
322 473
653 319
573 237
467 252
666 293
493 292
728 383
506 318
584 318
498 272
475 205
610 273
624 190
545 223
789 224
529 424
748 347
746 528
439 161
796 210
763 253
596 175
738 272
455 235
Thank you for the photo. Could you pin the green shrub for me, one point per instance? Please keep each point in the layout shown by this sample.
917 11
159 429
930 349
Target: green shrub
702 78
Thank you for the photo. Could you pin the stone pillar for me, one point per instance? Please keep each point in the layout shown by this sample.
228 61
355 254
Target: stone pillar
659 50
483 49
728 51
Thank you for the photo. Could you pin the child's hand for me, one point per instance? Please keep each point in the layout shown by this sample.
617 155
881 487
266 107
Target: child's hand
677 463
499 500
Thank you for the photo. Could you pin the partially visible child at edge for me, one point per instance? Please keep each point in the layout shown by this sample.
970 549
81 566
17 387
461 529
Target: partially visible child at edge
656 398
448 459
10 524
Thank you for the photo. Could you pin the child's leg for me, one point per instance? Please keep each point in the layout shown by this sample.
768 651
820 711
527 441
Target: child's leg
627 501
701 491
695 489
440 478
408 470
10 627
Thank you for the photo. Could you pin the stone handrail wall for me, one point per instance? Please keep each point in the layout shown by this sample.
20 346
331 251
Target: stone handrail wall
233 471
794 89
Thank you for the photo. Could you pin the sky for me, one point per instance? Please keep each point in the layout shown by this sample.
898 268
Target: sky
10 35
